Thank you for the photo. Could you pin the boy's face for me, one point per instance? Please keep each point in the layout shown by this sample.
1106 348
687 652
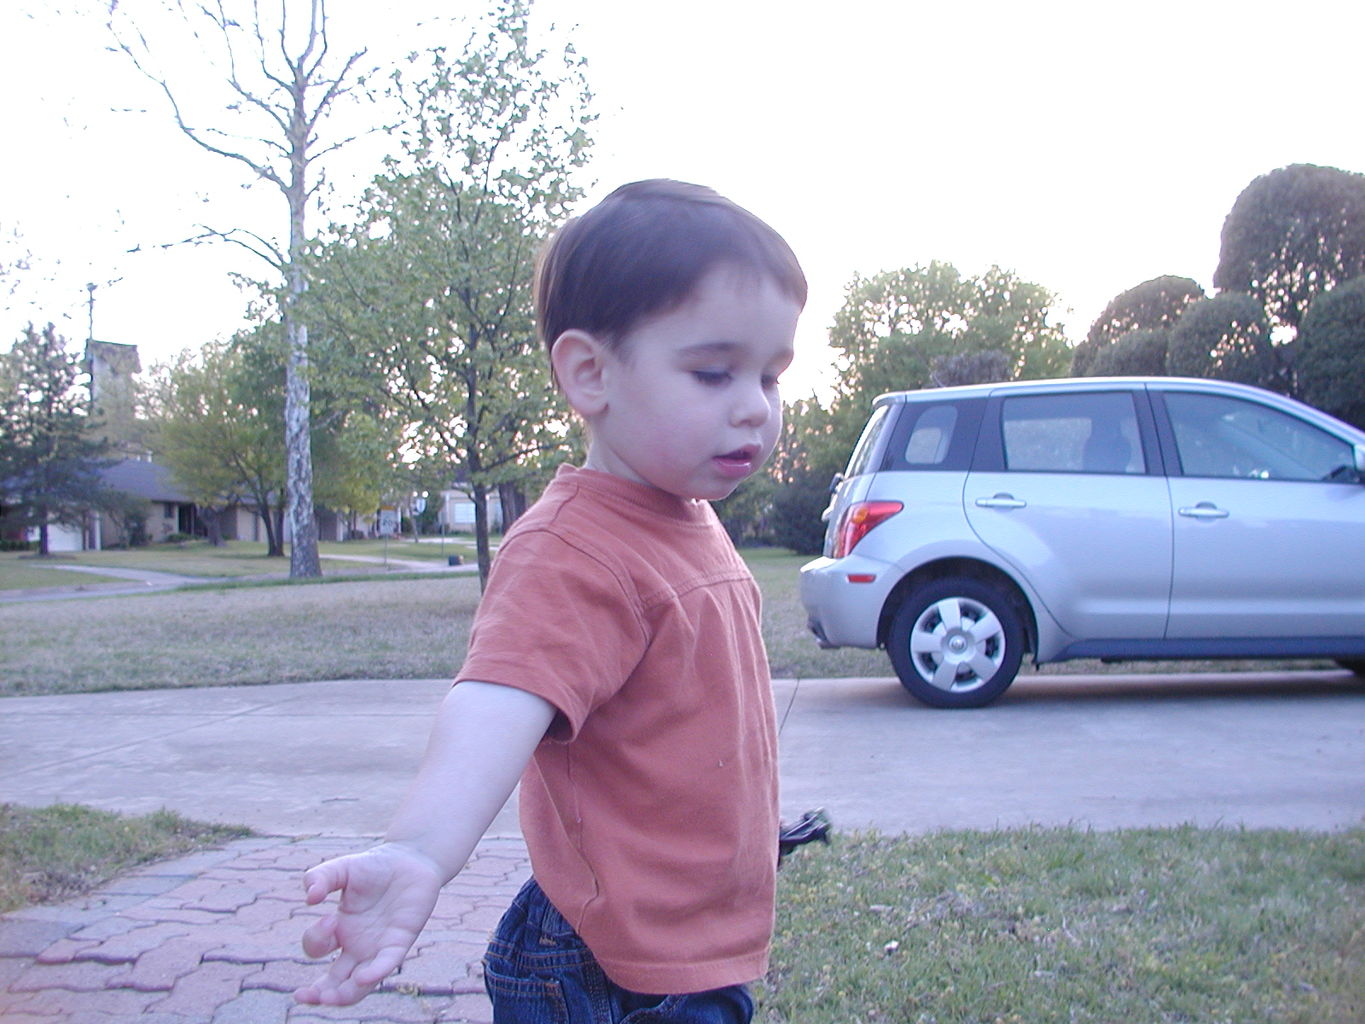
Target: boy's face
690 397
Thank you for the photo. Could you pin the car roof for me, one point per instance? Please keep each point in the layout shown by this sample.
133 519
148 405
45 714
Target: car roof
1053 385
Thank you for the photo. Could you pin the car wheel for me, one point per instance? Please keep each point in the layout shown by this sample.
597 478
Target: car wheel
1356 665
957 643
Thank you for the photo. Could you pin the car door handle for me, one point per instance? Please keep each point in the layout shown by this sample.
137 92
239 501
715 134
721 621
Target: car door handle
1001 501
1204 510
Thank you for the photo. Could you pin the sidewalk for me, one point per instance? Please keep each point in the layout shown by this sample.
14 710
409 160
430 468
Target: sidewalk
213 938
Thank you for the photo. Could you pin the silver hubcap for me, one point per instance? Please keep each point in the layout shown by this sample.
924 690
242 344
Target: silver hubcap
957 644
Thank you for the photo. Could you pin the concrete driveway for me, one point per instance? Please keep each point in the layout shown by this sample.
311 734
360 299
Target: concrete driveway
332 758
1255 749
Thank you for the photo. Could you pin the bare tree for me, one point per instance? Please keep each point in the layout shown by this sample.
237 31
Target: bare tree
283 83
14 260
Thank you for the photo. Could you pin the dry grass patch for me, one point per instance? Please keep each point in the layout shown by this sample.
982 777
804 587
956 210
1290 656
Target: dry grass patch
384 629
385 625
28 572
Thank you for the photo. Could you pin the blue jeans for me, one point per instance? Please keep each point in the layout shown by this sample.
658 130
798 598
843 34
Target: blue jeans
538 971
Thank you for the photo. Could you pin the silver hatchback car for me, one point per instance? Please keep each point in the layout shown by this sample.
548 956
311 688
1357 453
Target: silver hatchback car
1114 518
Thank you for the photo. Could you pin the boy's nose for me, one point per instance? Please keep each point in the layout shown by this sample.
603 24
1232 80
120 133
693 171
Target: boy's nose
752 406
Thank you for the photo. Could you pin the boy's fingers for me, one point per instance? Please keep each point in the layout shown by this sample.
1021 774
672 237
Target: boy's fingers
379 967
344 984
318 882
320 937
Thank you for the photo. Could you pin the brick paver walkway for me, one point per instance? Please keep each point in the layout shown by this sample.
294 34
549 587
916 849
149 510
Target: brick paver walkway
213 938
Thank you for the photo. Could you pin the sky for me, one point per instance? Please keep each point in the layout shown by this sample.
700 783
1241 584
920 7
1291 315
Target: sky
1085 146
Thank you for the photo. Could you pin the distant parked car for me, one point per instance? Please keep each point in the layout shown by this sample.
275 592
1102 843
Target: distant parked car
1115 518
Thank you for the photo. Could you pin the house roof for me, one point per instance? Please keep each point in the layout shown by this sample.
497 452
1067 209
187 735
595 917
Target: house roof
144 479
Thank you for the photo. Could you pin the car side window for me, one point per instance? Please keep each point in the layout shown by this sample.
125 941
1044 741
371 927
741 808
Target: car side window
1071 433
933 434
1232 438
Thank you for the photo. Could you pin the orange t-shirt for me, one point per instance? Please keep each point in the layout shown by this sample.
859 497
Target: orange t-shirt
650 810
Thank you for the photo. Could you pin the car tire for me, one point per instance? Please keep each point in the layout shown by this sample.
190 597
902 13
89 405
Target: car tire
1356 665
957 642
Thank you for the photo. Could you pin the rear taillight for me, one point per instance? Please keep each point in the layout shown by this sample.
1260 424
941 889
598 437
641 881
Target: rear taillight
857 520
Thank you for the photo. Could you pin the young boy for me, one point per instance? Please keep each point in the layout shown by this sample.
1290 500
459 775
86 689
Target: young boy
616 657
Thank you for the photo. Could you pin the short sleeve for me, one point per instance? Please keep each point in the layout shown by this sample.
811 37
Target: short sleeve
558 621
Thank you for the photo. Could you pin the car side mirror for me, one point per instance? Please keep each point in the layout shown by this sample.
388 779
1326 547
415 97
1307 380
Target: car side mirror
838 478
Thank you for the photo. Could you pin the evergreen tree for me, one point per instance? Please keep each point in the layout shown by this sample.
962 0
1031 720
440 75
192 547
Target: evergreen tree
49 457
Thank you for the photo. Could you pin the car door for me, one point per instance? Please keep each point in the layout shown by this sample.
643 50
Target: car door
1266 543
1067 488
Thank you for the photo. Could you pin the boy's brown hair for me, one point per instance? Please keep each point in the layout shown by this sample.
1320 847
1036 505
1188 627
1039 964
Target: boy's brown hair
643 250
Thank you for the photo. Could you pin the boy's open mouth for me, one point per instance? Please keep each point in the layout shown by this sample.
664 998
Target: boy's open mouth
740 461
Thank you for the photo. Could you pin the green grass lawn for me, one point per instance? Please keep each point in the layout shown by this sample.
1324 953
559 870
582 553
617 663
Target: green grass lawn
1037 926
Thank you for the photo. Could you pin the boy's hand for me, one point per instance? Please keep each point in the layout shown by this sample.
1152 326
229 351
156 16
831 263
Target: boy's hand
387 894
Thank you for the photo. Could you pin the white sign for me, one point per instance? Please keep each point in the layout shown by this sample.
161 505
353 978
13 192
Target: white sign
388 522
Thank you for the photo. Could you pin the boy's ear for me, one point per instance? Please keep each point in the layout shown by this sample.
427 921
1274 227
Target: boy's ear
580 365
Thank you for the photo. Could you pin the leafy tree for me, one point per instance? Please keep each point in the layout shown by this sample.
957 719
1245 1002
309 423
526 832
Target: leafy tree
894 325
969 368
1135 354
354 439
746 512
283 82
1153 305
795 518
810 451
218 428
220 436
356 458
1226 337
1291 235
895 328
1331 354
430 292
49 457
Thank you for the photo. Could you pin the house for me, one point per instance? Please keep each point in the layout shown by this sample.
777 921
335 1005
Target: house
158 507
242 521
456 514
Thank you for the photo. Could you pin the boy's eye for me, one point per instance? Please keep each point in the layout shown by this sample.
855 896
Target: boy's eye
771 381
713 378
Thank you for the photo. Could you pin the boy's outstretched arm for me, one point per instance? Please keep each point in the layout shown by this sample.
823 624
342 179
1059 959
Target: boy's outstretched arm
483 737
